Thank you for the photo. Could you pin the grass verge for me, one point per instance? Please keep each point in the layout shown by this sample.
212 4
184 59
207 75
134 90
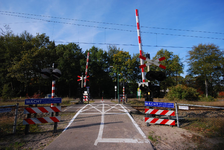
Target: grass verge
209 128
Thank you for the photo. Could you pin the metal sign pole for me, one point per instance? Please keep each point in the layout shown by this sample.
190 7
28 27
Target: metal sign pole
15 121
115 91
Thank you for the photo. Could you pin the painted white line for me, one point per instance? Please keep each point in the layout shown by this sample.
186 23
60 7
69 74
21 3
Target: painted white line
87 108
96 108
74 117
122 113
115 107
110 108
122 140
137 127
127 108
100 135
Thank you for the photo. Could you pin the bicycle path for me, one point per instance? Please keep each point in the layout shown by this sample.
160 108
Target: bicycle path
101 125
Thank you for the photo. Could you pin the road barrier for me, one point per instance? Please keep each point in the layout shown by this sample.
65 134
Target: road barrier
42 109
160 121
34 110
41 120
159 112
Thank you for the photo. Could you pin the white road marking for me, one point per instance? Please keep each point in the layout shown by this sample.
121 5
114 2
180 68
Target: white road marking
111 108
74 117
122 140
103 112
137 127
100 135
119 140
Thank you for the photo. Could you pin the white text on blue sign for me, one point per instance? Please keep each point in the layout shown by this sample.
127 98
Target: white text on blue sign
159 104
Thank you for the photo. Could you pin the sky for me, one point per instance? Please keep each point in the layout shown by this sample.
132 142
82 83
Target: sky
175 25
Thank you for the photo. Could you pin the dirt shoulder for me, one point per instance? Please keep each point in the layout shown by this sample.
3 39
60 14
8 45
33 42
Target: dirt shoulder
165 137
39 137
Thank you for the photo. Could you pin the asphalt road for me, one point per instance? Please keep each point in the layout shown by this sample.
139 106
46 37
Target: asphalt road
101 126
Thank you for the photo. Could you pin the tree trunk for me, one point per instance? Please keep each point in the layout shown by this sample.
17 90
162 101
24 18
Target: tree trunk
206 87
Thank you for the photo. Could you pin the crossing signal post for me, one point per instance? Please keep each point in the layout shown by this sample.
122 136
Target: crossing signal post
152 91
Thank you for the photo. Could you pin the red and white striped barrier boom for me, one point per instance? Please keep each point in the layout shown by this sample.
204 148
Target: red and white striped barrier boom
41 120
140 43
150 62
160 121
53 91
36 110
87 62
123 93
160 112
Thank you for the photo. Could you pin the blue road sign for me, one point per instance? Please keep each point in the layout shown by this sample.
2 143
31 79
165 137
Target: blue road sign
42 101
5 110
159 104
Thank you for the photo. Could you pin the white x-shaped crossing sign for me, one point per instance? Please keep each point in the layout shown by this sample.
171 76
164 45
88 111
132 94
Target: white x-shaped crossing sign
150 62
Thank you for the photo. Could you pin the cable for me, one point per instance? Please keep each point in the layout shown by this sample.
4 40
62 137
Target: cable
112 28
94 43
111 23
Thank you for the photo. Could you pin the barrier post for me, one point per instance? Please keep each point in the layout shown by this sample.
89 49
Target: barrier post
28 126
55 123
15 120
178 125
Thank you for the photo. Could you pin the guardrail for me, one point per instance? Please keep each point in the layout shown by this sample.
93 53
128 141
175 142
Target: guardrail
7 108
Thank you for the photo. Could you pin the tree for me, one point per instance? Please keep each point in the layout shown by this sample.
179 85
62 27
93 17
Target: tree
69 57
203 61
34 54
98 72
174 67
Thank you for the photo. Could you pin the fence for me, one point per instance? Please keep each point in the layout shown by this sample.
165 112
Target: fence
8 108
188 111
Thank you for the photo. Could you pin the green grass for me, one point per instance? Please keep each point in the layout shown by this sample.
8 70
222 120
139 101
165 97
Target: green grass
212 128
153 138
209 127
136 102
15 146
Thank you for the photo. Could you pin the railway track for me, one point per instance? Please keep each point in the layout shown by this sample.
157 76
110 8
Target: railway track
191 108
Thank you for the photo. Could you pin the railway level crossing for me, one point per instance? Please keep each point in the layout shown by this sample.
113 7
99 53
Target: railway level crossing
102 125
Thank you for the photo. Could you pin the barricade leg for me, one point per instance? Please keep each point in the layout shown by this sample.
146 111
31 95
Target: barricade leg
55 123
178 125
27 128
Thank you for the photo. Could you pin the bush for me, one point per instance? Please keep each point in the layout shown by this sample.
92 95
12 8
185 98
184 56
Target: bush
221 94
180 92
206 99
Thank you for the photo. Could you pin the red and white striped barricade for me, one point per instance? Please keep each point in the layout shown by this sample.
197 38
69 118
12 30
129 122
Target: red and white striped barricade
36 110
160 121
157 120
41 120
